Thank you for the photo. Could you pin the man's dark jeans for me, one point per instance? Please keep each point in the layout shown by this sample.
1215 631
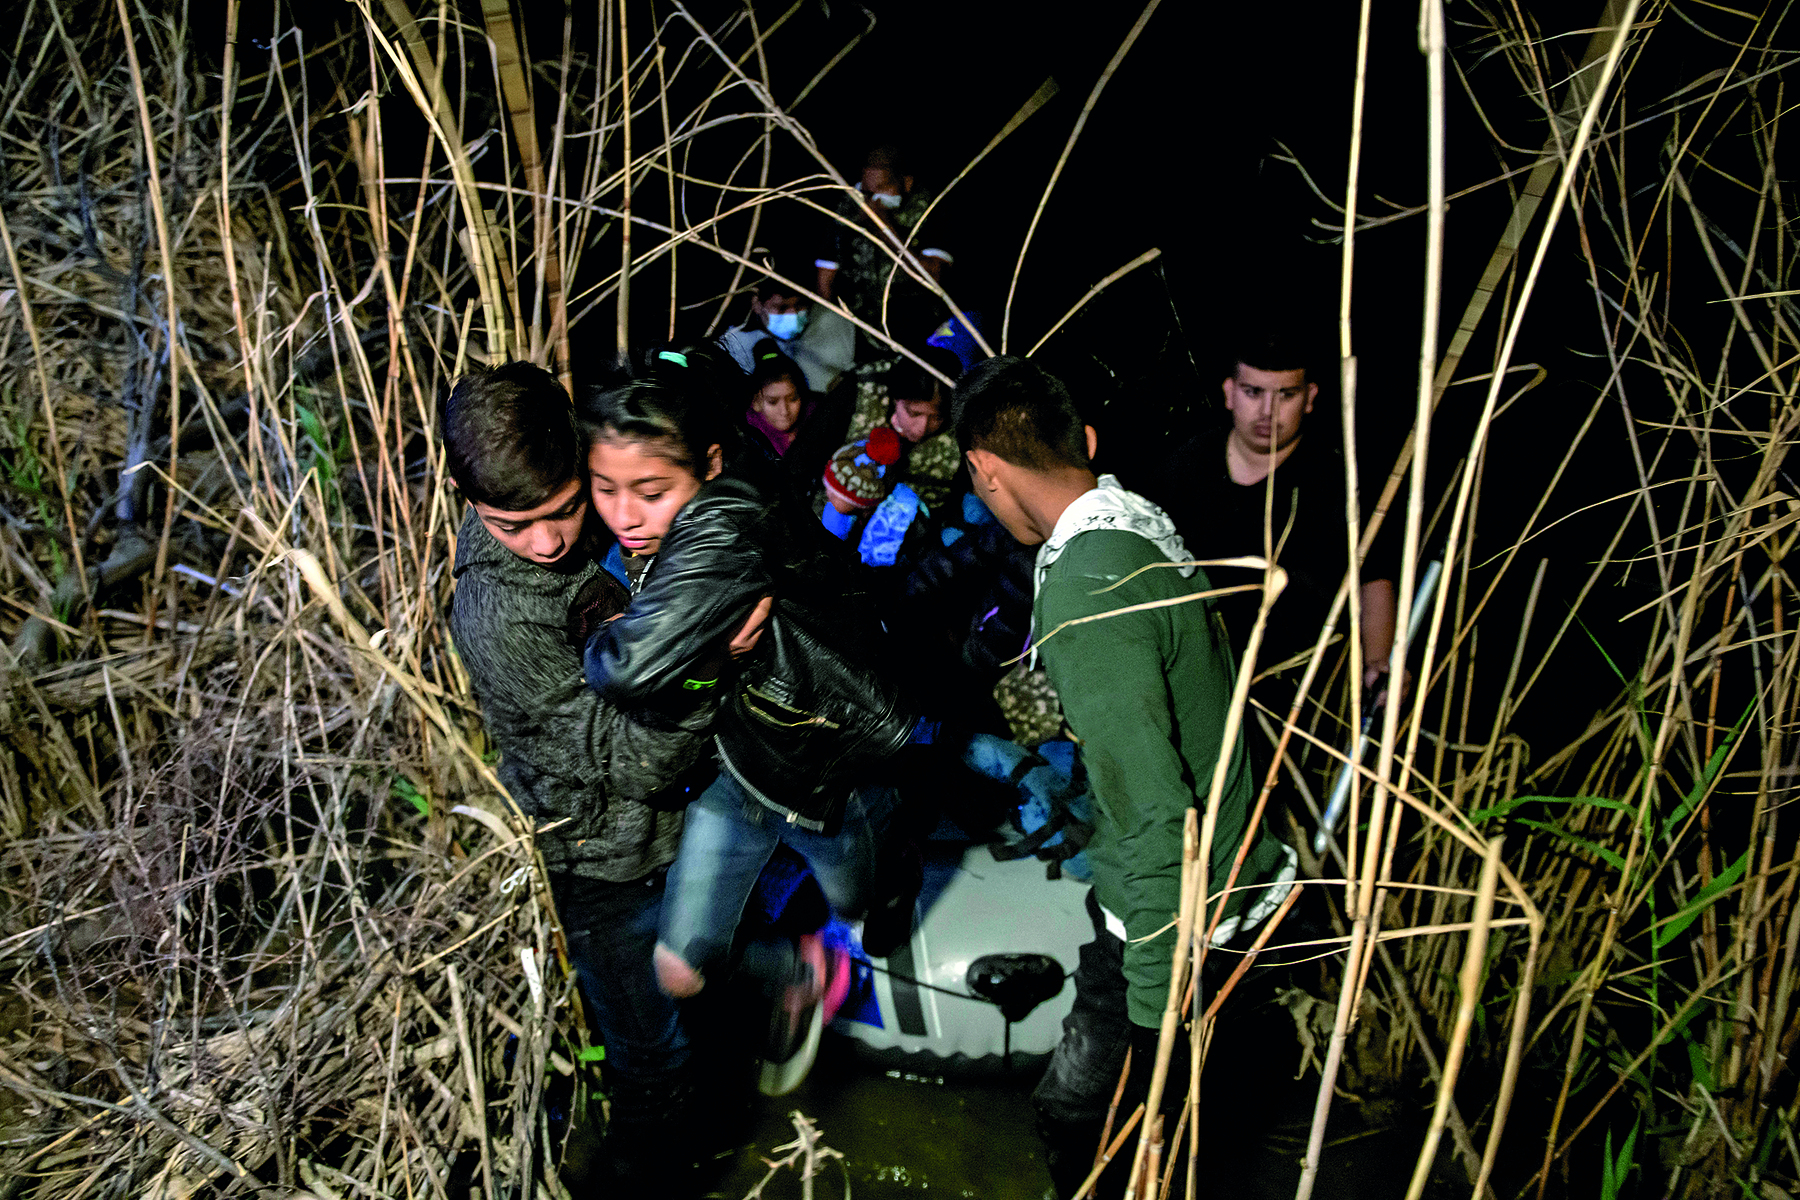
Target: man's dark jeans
1072 1098
611 932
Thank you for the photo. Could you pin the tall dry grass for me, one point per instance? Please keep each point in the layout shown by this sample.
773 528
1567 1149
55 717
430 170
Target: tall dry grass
251 935
269 919
1598 931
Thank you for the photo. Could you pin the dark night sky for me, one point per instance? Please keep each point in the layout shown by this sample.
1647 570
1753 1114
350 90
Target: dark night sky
1175 154
1179 153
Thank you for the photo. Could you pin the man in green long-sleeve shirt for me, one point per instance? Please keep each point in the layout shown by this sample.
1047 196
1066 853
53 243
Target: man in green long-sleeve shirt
1147 693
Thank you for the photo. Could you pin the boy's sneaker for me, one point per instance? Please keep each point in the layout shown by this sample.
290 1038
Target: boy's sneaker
806 1005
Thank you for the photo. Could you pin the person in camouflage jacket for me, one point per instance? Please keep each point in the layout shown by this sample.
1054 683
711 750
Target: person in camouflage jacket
873 228
900 393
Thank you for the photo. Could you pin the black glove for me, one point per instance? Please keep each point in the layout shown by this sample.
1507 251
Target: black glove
600 600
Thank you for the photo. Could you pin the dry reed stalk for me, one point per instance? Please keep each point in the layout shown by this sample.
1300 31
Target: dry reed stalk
1181 1127
1062 161
1474 967
1565 182
1046 91
1112 1109
1512 1056
170 308
310 454
1146 1183
806 1155
209 959
1112 1149
1347 392
1502 261
889 245
1193 876
515 86
624 293
46 397
1669 640
1364 927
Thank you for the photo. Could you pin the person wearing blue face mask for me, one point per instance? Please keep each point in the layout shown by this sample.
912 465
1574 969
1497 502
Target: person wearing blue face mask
786 326
820 342
873 227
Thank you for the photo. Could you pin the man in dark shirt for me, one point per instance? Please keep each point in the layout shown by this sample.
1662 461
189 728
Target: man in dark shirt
1215 484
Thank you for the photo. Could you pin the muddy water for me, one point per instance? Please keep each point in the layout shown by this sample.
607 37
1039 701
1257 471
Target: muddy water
903 1136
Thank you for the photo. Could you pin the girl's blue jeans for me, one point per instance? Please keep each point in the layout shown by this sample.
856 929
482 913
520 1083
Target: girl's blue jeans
729 838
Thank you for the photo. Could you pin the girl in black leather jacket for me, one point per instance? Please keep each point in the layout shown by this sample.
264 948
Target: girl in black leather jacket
809 720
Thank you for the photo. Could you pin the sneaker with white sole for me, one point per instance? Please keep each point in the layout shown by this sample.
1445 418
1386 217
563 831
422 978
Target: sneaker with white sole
806 1005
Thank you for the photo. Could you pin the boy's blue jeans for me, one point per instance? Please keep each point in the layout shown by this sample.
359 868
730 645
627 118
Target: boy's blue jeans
729 838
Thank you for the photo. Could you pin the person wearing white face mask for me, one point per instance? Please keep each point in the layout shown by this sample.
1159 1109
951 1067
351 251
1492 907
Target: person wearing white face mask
819 341
873 227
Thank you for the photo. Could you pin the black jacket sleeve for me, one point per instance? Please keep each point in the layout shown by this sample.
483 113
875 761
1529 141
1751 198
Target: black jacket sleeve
707 577
558 737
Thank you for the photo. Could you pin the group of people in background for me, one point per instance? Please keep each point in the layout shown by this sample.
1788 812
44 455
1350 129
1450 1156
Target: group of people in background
736 612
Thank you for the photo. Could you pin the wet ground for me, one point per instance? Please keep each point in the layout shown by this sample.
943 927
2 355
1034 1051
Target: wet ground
906 1135
901 1135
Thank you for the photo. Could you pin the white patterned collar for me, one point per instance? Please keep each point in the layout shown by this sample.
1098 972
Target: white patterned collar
1109 506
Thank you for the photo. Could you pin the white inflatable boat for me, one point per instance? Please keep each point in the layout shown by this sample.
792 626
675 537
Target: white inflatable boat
982 986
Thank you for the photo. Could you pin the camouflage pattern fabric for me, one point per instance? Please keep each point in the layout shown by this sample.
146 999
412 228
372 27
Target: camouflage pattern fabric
930 466
1030 705
871 397
864 264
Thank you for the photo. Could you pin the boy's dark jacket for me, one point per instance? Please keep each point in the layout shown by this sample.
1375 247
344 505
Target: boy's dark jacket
809 712
566 754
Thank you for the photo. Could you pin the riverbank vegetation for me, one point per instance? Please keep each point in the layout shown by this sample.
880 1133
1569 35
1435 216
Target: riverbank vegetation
268 920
